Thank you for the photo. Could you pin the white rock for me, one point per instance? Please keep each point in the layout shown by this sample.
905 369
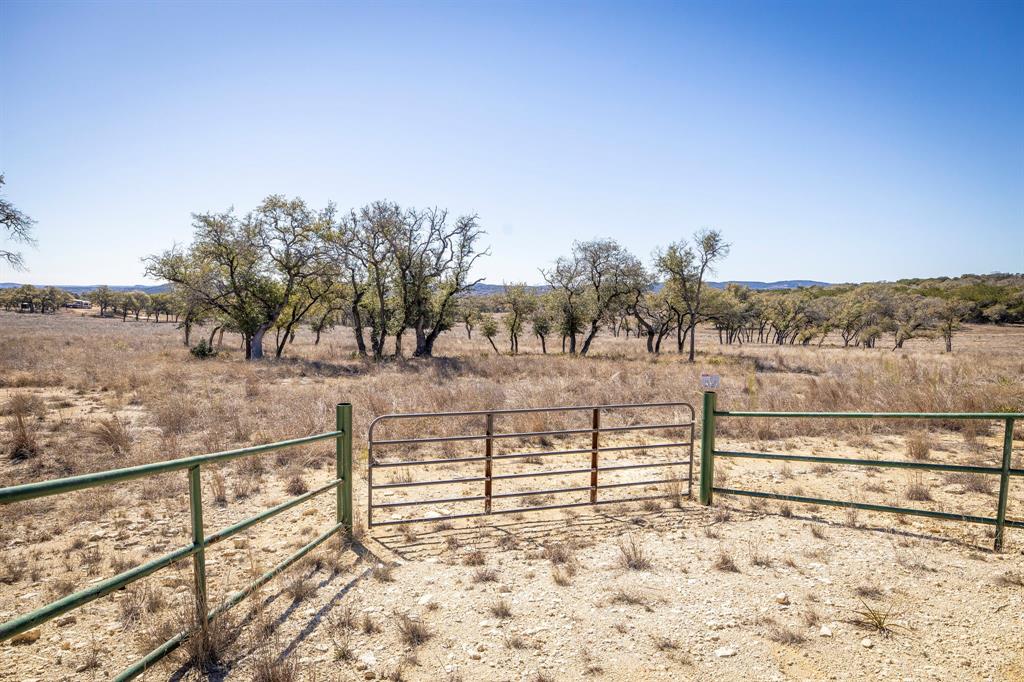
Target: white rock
825 631
725 652
426 599
782 598
368 659
866 643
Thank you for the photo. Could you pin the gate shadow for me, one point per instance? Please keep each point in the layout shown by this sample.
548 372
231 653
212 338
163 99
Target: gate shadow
493 532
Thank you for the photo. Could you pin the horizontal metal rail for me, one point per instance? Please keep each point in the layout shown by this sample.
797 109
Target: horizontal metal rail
225 533
968 518
527 493
58 486
525 455
530 410
1005 471
342 484
874 415
887 463
82 597
488 457
529 474
521 510
530 434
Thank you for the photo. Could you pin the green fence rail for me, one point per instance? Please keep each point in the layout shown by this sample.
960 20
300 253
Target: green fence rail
342 483
1004 471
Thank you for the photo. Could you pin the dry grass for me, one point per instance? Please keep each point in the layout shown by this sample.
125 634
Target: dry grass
782 634
818 531
485 574
918 490
500 609
630 598
724 562
559 553
563 575
299 588
633 555
884 621
112 433
384 573
296 485
412 632
972 483
919 445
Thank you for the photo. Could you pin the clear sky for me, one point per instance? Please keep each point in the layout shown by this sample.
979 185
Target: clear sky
829 140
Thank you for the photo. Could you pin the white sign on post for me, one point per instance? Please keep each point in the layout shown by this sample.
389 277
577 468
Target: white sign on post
709 382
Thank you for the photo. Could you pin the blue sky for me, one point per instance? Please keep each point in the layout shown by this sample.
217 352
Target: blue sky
837 141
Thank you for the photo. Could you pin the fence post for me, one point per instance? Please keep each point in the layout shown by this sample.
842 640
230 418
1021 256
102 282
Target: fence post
1004 484
195 496
707 449
488 453
596 426
343 463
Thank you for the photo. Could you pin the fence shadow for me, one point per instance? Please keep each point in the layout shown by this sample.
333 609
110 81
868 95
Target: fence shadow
364 562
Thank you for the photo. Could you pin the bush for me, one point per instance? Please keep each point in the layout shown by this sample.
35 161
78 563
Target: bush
203 350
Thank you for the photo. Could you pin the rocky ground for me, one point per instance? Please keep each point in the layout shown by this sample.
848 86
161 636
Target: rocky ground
655 590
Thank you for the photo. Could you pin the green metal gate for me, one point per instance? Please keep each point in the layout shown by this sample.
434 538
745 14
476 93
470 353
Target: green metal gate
342 484
1004 471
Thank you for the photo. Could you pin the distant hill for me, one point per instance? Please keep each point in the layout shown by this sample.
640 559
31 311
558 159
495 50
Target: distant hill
482 289
86 288
783 284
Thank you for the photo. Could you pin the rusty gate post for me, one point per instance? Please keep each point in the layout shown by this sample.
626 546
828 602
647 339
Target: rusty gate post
489 454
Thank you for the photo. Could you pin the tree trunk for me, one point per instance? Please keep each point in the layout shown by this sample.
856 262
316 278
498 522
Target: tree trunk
316 342
543 345
590 338
693 341
188 332
491 339
255 351
357 329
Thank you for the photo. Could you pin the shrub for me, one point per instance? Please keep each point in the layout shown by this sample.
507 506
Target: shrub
203 350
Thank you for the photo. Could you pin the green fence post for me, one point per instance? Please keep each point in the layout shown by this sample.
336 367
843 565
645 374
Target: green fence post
707 449
195 495
1004 484
343 463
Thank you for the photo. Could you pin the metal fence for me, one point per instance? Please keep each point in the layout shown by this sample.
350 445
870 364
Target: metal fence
1004 471
342 484
487 460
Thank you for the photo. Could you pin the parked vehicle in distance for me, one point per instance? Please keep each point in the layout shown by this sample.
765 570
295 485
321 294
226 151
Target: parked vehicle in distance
78 303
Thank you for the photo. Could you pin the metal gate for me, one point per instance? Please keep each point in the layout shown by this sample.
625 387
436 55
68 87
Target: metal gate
677 434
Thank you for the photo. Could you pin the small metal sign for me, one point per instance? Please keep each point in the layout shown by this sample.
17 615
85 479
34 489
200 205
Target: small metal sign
709 382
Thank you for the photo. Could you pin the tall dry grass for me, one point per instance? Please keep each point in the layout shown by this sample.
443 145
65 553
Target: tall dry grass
103 374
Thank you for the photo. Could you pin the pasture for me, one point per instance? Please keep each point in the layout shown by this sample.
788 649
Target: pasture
744 588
